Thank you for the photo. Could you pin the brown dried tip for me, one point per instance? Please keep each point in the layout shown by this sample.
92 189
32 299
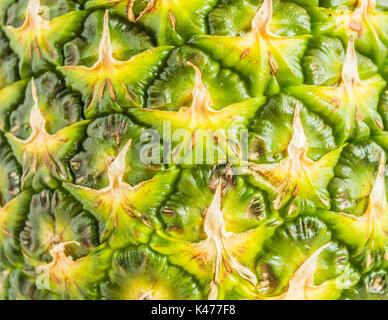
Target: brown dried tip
216 242
200 106
131 15
117 168
261 21
350 66
360 14
172 19
37 121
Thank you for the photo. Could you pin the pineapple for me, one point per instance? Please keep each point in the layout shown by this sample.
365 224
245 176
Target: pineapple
203 149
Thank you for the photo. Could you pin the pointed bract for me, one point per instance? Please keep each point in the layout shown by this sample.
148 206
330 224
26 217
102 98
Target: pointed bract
351 107
111 85
297 183
42 155
222 260
126 214
366 235
259 55
36 41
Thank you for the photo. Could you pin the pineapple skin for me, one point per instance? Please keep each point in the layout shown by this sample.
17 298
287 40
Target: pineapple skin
104 105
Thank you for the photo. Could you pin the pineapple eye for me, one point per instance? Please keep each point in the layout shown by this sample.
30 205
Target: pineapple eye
277 116
52 149
288 19
372 286
36 44
225 174
69 278
9 73
191 126
268 282
323 61
59 106
365 21
296 183
20 286
12 216
320 269
141 274
9 173
173 87
106 137
368 248
377 282
219 253
349 194
126 40
125 216
172 22
381 137
16 12
59 219
350 107
185 208
118 77
4 283
267 59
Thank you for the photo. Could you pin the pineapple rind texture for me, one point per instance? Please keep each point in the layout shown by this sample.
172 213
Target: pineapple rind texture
301 215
